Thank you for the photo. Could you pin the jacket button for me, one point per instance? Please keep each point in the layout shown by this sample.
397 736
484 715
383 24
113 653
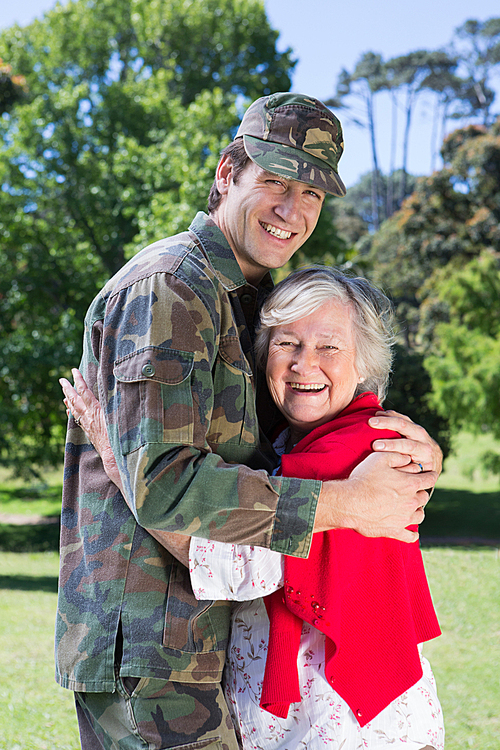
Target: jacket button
246 299
148 370
359 713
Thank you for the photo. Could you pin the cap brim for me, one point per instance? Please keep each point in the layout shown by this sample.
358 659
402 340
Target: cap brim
294 164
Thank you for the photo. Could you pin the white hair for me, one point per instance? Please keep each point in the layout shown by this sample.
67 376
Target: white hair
306 290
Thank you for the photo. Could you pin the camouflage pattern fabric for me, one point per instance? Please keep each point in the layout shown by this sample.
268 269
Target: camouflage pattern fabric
167 350
297 137
156 714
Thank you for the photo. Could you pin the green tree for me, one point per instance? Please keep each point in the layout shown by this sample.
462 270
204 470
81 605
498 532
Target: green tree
477 45
451 217
438 258
356 91
411 75
410 392
115 143
12 87
354 213
464 365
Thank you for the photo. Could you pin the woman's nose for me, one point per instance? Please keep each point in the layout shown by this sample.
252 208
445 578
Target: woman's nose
305 360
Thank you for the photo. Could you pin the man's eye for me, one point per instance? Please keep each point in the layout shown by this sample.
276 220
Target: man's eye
315 194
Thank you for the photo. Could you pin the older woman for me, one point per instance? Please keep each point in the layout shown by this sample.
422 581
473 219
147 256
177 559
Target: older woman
341 632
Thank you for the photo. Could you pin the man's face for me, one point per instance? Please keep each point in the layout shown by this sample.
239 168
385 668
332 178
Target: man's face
265 217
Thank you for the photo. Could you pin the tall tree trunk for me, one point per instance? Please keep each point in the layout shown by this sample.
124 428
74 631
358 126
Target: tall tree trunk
389 210
436 118
406 138
375 170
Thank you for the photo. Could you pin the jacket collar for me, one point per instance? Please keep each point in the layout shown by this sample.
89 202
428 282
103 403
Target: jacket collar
220 254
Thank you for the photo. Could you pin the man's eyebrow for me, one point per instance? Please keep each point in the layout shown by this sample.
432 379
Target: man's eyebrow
266 173
276 176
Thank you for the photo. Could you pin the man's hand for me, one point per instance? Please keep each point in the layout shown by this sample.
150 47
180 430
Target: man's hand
417 443
378 499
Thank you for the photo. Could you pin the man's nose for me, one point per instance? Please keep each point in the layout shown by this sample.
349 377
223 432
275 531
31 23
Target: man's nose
289 207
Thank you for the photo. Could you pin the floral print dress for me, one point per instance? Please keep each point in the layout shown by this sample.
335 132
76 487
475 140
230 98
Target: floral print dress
322 719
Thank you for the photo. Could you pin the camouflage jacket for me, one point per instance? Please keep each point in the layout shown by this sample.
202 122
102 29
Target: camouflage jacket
167 350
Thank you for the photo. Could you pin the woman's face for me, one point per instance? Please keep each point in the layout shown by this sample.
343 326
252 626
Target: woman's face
311 370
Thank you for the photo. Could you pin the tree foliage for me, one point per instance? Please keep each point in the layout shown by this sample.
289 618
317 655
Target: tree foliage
12 87
452 216
477 45
439 258
458 79
464 365
410 393
354 213
361 85
114 144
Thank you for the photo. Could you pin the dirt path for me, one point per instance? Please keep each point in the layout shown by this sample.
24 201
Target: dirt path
13 519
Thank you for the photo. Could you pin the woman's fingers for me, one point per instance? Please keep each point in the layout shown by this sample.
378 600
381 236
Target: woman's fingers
83 391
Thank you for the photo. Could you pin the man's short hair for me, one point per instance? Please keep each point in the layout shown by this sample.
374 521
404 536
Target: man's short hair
239 158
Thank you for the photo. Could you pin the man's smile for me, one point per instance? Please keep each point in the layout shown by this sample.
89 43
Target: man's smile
275 231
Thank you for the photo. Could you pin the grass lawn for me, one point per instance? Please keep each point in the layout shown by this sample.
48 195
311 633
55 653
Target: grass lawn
465 585
35 714
39 498
466 501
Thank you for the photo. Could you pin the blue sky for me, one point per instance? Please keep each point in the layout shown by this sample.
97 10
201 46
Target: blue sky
327 36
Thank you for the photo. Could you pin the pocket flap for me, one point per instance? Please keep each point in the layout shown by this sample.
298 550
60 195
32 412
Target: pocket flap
154 363
230 351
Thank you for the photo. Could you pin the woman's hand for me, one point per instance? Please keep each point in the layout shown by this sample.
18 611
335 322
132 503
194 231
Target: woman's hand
86 410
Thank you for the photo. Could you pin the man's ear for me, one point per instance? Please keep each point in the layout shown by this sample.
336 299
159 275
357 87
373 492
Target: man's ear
224 174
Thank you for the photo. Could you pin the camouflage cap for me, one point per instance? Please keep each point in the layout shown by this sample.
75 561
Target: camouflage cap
295 136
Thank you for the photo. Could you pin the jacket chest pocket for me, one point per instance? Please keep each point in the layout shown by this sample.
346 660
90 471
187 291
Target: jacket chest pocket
155 402
234 417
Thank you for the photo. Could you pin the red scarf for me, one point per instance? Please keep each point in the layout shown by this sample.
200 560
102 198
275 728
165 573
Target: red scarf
369 596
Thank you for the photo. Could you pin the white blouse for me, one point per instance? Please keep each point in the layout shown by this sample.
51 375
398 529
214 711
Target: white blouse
322 719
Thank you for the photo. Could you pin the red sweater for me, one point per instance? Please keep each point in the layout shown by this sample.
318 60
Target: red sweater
369 596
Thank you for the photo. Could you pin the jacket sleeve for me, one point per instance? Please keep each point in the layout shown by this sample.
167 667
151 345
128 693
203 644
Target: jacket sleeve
157 382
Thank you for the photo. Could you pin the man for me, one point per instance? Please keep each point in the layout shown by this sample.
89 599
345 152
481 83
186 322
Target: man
167 349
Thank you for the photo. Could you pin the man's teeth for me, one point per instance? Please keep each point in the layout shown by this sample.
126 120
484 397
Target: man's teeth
307 386
280 233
